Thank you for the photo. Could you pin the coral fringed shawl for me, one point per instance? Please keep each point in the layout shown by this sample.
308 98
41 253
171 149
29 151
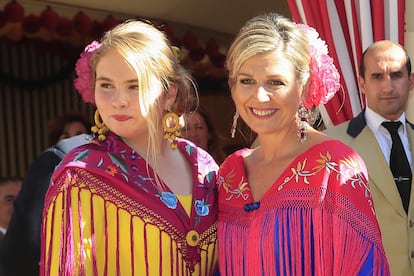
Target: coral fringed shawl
317 219
104 215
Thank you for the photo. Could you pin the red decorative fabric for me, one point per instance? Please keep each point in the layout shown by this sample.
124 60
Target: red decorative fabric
317 218
102 182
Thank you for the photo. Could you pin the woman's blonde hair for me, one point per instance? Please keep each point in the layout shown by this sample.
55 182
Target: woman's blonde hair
148 51
266 33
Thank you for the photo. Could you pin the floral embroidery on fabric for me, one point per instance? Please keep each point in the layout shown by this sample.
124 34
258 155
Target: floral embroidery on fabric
189 149
201 208
169 199
118 162
239 191
326 163
347 170
81 155
111 170
132 167
300 172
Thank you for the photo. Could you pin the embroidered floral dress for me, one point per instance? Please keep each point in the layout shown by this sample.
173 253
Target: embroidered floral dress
318 218
104 215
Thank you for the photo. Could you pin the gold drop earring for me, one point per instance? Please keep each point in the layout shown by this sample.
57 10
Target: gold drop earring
99 128
170 123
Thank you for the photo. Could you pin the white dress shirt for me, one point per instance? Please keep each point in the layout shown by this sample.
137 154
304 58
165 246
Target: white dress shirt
382 135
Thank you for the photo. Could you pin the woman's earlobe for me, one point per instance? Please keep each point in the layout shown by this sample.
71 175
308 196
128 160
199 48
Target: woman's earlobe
230 83
172 92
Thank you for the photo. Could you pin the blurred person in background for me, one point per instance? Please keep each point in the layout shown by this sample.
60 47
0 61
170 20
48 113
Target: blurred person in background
9 189
199 129
20 249
67 125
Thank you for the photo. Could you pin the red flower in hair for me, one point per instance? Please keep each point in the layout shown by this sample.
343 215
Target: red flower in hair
83 83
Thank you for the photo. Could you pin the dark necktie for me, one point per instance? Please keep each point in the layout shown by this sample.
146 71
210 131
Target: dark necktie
399 163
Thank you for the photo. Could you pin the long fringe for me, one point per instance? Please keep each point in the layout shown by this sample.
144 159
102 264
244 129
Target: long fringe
66 258
302 241
72 217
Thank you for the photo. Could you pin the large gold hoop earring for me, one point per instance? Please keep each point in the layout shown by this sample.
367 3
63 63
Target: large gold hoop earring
99 128
170 123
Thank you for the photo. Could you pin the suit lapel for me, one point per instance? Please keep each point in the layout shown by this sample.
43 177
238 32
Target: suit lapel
380 174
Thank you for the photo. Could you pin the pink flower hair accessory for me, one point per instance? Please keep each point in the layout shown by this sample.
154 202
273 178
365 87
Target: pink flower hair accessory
83 82
324 77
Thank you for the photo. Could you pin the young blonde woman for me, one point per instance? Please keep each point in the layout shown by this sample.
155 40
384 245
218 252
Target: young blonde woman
137 200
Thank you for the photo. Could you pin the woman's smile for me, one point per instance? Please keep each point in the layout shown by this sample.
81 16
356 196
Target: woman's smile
263 112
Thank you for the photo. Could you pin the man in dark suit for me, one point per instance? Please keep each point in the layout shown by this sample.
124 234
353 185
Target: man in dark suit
20 248
386 79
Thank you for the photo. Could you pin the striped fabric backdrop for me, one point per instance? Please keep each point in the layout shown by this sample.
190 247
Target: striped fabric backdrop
349 27
36 85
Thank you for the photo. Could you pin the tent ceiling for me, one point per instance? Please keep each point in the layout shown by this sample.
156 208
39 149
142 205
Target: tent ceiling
225 16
